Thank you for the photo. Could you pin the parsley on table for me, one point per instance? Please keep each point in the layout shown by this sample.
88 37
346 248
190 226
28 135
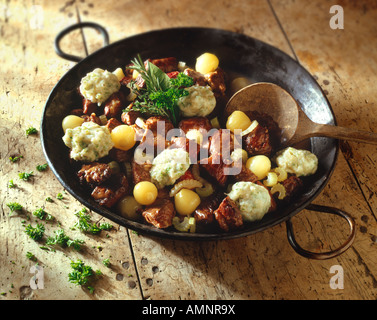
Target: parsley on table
59 196
25 176
106 262
11 184
63 240
36 233
85 223
31 256
31 130
82 274
42 214
14 206
42 167
15 158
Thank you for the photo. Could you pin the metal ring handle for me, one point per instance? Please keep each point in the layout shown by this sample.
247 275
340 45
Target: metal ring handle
328 254
75 26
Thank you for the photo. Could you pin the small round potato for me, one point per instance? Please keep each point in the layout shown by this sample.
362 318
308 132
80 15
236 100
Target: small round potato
71 121
186 201
123 137
145 192
128 208
260 165
238 120
207 62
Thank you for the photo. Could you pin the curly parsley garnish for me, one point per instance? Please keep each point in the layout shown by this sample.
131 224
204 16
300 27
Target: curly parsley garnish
42 167
25 176
31 130
14 206
36 233
85 224
82 274
63 240
160 95
15 158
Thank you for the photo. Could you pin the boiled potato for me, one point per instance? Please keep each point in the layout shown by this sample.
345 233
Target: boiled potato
128 207
123 137
71 121
186 201
145 192
260 165
238 120
119 73
206 63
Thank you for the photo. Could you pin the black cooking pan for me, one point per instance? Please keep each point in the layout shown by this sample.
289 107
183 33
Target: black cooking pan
238 54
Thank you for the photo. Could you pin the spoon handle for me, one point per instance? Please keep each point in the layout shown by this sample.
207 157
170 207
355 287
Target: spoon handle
326 130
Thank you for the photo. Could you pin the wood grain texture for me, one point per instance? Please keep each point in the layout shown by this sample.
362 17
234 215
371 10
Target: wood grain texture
261 266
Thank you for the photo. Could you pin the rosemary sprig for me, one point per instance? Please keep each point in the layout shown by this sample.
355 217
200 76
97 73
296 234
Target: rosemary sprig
160 94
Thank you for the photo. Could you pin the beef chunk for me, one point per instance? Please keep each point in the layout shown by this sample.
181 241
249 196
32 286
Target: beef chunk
228 215
258 141
110 193
160 214
204 213
94 173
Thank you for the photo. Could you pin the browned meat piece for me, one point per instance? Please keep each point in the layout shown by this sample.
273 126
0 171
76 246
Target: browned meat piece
216 170
109 194
92 118
89 107
140 172
245 175
130 117
257 142
139 81
204 213
120 155
127 79
166 64
201 124
77 112
216 80
160 214
94 173
173 74
114 105
188 145
221 145
186 176
157 122
266 121
112 123
196 76
228 215
292 185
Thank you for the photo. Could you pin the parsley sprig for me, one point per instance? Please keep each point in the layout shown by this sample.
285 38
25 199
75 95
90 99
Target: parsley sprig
85 223
160 94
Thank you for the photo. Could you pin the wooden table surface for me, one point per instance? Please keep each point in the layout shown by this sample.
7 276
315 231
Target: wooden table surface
260 266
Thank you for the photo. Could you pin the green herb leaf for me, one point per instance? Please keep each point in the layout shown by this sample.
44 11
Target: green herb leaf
14 206
25 176
35 233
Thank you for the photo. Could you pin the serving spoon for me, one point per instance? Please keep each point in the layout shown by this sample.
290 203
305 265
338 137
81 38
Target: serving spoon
273 100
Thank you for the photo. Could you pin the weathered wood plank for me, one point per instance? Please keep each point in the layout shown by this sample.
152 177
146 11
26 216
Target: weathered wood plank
30 69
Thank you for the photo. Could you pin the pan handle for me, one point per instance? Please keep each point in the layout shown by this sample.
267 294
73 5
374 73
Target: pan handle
75 26
323 255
